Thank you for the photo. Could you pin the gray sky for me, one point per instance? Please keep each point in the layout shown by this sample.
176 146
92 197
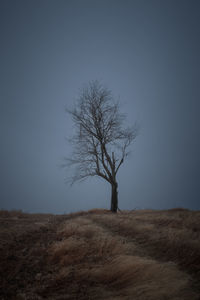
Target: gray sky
146 52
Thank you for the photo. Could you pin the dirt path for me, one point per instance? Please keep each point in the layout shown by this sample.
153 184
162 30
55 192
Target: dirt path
27 273
142 245
137 247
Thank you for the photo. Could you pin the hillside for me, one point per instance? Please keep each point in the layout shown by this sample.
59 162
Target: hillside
138 255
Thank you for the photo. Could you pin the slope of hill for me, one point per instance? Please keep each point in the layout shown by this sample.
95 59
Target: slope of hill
138 255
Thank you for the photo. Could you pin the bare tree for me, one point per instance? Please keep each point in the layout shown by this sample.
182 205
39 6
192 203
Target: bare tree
100 142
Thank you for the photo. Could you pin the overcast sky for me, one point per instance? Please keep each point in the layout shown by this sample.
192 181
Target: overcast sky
146 52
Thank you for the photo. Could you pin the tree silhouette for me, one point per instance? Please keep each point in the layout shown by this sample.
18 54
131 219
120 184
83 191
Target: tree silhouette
100 142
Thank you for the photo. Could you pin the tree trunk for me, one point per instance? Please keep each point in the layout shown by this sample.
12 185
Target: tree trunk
114 198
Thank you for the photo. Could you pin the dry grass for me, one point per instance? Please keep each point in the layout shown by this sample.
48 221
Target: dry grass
82 240
69 251
143 279
12 214
140 255
105 261
166 235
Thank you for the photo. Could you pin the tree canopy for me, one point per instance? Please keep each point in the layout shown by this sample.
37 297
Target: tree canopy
100 142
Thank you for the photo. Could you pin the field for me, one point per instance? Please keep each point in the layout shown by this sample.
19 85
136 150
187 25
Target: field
140 255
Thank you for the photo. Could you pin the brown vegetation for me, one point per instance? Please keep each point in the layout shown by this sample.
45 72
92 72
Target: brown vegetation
99 255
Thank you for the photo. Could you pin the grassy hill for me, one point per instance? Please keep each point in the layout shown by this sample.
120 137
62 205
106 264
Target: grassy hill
140 255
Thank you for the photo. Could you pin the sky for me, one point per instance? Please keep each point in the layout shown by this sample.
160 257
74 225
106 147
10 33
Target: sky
146 52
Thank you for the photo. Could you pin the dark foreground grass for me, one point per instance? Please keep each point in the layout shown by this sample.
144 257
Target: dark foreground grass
136 255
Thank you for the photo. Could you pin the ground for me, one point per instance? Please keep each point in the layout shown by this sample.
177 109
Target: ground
140 255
